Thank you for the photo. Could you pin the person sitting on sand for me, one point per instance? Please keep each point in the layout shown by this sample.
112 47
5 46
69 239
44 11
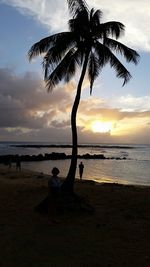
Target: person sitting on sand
53 195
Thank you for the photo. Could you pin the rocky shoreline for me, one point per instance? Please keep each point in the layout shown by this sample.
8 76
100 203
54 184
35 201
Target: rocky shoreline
6 159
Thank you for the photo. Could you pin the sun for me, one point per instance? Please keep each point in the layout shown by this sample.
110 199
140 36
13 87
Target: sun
101 127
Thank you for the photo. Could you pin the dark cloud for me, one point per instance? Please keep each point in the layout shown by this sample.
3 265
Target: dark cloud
62 124
25 102
50 134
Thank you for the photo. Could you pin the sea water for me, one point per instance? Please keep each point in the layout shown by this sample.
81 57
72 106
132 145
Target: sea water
135 169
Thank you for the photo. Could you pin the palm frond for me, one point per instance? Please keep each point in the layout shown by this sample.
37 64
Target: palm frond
129 54
66 65
75 60
105 56
57 52
102 53
75 6
113 28
80 24
95 17
93 69
45 44
121 71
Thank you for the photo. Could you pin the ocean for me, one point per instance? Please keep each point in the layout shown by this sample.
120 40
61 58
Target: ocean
127 163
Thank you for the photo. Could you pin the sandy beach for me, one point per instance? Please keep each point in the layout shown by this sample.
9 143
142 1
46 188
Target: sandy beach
116 234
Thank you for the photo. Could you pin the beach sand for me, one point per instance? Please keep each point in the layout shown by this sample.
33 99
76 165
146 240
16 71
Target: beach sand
116 234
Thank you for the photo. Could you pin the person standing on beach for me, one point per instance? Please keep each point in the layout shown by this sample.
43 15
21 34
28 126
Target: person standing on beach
18 164
54 185
81 167
9 163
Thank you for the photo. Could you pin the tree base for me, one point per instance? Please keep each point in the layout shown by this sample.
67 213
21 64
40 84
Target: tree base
71 203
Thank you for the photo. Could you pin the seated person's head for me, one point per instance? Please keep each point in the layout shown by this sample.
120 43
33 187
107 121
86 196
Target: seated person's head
55 171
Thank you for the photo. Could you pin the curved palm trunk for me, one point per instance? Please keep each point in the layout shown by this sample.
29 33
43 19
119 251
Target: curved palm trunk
68 184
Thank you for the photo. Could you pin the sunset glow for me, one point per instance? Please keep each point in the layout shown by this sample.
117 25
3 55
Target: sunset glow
101 127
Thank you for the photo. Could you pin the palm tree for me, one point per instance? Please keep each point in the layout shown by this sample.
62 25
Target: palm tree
90 45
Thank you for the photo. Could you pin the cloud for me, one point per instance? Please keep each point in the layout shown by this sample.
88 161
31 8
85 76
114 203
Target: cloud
135 15
53 14
28 112
131 103
125 103
60 125
24 101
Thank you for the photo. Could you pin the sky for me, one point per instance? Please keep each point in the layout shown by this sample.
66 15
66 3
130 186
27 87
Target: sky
113 114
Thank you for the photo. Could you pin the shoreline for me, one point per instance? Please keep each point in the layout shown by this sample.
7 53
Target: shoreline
11 174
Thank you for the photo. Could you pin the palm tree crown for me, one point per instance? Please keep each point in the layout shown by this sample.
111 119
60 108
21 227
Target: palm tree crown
65 51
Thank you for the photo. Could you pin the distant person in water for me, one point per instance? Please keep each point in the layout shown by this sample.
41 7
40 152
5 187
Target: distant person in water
18 164
54 185
81 168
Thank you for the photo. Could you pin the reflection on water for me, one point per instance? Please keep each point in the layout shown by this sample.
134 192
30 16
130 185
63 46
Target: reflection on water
118 171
